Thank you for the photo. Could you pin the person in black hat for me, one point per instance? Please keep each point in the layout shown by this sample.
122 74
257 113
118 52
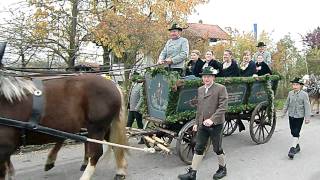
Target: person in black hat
176 50
298 108
210 117
262 51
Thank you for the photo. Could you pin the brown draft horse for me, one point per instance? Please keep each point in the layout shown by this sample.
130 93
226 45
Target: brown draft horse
70 103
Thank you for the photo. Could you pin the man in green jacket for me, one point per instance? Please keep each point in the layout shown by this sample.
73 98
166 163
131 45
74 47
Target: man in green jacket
210 117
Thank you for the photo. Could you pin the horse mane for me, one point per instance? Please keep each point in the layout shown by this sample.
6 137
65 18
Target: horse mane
15 88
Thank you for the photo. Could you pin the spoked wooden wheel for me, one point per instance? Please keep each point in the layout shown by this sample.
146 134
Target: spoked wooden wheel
149 125
229 127
186 143
261 125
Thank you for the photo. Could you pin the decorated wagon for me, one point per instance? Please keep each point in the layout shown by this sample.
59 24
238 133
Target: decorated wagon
170 108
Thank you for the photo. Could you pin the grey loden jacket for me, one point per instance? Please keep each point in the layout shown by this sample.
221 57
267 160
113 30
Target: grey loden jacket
178 50
297 105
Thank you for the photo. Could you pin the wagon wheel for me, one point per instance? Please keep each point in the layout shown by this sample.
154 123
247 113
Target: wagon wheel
261 125
149 125
186 143
229 126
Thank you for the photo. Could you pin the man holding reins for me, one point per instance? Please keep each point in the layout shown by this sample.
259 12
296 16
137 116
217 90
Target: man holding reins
176 50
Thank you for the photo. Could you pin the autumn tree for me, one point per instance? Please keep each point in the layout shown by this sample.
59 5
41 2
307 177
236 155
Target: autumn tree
288 62
17 31
61 26
129 28
240 42
312 41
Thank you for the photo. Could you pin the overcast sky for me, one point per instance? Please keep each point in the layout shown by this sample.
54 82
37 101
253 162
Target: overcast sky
277 16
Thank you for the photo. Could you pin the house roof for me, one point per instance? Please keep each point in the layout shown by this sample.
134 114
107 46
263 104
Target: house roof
207 30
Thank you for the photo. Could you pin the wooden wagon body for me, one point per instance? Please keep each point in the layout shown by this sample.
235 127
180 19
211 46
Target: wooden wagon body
170 108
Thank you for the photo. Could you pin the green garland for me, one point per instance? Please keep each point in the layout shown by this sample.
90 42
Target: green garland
137 78
172 116
187 115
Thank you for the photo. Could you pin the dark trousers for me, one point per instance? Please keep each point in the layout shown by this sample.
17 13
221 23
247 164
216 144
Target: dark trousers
295 126
203 134
134 115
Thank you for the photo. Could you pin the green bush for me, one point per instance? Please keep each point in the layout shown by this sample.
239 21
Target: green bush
279 103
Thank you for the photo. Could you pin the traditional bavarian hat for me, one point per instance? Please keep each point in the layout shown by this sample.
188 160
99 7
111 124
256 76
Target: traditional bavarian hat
175 26
297 80
261 44
209 71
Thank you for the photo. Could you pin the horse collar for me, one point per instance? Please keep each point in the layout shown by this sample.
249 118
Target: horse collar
37 102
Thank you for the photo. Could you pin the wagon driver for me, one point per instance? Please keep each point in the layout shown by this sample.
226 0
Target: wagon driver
176 50
211 108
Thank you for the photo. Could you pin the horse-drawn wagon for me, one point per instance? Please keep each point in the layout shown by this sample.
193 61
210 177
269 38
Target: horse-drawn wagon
170 108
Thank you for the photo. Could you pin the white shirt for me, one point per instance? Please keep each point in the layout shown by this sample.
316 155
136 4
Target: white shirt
207 88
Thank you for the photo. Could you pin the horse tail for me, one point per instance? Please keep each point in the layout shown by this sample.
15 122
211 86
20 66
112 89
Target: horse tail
118 135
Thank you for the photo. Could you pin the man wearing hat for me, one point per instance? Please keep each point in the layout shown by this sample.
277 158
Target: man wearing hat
210 117
176 50
298 108
266 55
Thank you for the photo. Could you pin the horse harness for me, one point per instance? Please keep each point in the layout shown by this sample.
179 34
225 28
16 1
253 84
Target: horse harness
37 107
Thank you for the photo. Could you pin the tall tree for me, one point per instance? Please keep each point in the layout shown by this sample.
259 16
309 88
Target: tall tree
288 61
17 31
61 27
312 40
129 28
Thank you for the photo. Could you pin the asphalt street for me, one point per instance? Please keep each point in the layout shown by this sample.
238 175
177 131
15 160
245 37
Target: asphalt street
245 160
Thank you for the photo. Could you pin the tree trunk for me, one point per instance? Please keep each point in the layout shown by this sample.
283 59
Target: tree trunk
106 58
73 31
23 59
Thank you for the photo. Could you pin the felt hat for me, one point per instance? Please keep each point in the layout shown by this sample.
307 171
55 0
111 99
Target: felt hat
261 44
297 80
209 71
175 26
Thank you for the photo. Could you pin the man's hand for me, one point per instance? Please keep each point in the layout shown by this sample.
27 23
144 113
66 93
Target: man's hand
307 121
207 122
169 61
160 61
195 128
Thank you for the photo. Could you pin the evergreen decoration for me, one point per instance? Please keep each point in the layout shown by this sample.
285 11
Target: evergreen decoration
173 117
137 78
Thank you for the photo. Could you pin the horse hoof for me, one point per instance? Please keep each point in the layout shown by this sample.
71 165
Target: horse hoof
119 177
47 167
83 167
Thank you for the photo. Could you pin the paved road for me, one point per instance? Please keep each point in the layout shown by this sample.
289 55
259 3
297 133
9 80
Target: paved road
246 161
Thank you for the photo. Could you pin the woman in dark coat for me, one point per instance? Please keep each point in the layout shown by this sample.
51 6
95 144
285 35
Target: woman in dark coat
230 66
210 61
194 66
247 66
262 67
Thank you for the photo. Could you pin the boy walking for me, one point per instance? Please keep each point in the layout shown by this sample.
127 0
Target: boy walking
298 108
